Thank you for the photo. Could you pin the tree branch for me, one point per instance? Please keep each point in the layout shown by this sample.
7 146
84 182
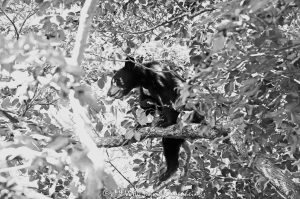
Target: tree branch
170 21
85 20
27 17
14 25
192 131
279 179
120 172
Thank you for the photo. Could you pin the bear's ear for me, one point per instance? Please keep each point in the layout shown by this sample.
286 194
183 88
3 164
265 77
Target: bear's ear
131 59
129 62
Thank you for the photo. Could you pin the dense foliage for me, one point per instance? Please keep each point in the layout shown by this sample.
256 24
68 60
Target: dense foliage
241 67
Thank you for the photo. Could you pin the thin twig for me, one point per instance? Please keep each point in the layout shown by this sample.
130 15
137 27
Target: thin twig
119 171
16 30
286 48
29 104
15 17
169 21
180 6
28 16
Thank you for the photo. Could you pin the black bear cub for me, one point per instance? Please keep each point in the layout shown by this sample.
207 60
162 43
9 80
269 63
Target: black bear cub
162 93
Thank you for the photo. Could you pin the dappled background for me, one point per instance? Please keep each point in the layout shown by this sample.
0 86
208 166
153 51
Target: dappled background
62 137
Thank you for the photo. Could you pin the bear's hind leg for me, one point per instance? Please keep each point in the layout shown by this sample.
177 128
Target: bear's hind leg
171 151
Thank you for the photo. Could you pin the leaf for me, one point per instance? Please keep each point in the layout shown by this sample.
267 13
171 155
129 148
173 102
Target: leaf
58 143
44 6
6 103
196 59
109 182
130 44
101 82
297 2
292 97
229 87
106 133
258 4
250 81
141 117
119 56
295 114
113 110
85 95
108 6
99 126
129 134
165 54
157 38
127 50
125 8
184 33
137 136
56 3
137 161
136 168
126 123
27 2
15 101
218 44
143 2
150 118
10 116
182 42
60 20
259 41
4 4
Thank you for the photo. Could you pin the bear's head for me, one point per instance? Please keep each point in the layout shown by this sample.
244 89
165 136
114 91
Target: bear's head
124 80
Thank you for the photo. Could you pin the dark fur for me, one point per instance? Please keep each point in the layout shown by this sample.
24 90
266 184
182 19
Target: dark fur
162 93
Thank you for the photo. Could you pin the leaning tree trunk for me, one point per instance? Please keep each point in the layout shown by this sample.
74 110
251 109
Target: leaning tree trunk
282 181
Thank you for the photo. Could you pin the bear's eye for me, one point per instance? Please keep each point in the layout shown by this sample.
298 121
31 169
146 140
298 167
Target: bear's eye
119 81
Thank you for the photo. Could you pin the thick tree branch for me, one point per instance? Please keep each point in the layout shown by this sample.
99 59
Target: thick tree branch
279 179
86 16
193 131
94 172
